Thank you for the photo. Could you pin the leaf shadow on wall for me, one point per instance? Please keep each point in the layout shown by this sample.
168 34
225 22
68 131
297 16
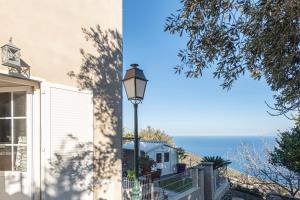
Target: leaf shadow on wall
101 73
89 166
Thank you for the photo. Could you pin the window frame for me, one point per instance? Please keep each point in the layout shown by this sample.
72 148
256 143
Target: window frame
28 123
161 159
168 153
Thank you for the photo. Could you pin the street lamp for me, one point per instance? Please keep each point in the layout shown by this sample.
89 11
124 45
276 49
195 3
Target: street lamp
135 84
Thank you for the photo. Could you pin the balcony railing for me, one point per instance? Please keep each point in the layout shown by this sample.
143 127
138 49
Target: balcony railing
202 182
219 178
164 188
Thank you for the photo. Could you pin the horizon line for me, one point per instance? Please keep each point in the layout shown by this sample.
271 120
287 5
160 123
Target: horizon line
235 135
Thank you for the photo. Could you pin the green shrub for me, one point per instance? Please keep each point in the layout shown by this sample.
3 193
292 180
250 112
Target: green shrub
253 192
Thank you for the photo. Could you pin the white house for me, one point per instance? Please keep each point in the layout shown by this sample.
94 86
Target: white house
163 154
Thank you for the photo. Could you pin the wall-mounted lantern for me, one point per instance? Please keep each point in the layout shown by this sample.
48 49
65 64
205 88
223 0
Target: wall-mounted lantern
11 57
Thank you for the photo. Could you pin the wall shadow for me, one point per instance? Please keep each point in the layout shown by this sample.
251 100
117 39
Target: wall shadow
95 166
101 73
71 172
15 184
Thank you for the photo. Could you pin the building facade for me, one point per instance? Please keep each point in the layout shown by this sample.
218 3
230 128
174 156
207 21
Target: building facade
164 155
60 99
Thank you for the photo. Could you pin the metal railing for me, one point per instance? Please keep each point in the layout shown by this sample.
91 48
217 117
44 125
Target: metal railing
177 183
219 178
163 188
146 189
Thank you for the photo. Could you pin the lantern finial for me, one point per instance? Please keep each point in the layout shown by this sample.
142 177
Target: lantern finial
134 65
10 40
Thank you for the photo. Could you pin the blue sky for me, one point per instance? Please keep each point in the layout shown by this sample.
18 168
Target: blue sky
182 106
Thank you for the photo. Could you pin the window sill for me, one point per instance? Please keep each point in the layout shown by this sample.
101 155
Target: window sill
5 173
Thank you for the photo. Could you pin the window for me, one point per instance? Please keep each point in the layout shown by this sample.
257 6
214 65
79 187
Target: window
158 158
13 136
166 157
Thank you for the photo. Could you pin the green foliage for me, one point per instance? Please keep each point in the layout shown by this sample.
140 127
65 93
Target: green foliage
150 133
146 163
181 153
254 191
227 196
130 174
297 121
156 134
287 153
128 135
218 162
267 176
234 37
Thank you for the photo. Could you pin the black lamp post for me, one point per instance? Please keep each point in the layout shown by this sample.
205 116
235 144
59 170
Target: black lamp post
135 84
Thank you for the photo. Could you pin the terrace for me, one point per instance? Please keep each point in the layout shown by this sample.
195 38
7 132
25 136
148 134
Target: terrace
200 182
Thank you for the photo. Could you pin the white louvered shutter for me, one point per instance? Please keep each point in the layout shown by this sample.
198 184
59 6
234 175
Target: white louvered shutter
71 116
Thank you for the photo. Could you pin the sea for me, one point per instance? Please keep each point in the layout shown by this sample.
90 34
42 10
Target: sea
224 146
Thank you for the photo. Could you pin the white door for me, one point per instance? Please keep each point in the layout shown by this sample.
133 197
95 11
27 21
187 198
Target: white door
15 143
69 144
162 159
